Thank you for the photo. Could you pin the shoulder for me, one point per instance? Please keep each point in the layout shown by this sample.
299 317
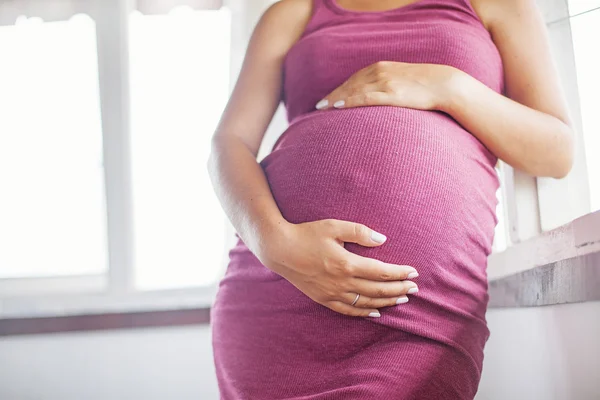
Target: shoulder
292 6
289 15
280 26
499 13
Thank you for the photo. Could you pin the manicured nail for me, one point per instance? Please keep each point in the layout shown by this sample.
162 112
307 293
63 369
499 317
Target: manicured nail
413 275
378 237
402 300
339 104
375 315
322 104
413 290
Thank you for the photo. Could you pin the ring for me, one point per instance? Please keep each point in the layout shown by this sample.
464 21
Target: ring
356 299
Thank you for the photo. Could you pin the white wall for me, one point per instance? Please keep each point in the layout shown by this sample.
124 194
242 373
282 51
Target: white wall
543 353
148 364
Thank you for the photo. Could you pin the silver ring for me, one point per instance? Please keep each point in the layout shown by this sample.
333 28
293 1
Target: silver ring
356 299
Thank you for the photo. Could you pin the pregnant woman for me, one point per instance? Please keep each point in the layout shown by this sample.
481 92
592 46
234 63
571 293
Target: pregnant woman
360 269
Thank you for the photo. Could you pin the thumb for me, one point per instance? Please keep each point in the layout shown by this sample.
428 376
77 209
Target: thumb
358 233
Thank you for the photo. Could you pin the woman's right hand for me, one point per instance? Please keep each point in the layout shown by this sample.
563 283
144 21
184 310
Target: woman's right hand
312 257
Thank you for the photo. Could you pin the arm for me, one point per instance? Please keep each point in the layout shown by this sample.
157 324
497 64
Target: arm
529 129
311 255
237 178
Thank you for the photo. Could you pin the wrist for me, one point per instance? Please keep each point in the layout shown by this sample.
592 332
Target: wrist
273 237
454 84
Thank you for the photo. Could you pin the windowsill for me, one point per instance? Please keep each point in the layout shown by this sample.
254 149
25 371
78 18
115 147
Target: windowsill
50 305
560 266
101 322
104 310
577 238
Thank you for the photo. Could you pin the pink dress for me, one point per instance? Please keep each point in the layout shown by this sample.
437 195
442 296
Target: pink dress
416 176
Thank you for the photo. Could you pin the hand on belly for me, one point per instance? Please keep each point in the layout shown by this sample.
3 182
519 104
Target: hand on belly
312 257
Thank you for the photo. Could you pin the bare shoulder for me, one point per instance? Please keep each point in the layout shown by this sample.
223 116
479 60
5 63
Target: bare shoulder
257 91
494 13
520 34
287 18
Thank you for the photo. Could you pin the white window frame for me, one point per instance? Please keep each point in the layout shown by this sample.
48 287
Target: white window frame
531 205
113 291
538 209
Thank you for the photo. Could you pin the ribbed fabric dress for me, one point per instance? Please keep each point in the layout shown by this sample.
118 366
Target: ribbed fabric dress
416 176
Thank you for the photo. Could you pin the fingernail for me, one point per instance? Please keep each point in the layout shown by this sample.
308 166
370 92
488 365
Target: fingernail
322 104
402 300
339 104
412 275
375 315
378 237
413 290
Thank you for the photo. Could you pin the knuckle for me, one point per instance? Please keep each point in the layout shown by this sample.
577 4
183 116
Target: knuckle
360 230
343 286
353 91
384 276
381 75
388 85
343 265
349 268
329 296
368 303
337 288
381 65
381 292
328 264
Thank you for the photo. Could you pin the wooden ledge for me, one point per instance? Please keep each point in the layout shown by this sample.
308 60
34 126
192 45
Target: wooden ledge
99 322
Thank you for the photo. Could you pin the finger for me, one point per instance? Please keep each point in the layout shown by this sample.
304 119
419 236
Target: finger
375 270
366 99
352 311
374 302
357 84
357 233
382 289
331 98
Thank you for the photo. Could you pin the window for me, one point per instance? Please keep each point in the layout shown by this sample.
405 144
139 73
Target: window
501 231
179 74
52 213
585 29
577 7
104 138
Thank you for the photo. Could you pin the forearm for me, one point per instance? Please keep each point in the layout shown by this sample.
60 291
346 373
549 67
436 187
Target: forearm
527 139
244 193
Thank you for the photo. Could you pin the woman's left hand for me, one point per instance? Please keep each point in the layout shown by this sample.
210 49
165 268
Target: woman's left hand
389 83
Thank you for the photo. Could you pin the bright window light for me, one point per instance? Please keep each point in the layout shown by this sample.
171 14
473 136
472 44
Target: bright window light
500 232
585 29
52 213
580 6
179 74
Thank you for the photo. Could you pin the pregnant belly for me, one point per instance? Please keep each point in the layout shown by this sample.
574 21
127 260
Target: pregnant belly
416 176
419 178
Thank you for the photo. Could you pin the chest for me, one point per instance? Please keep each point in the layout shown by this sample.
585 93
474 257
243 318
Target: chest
325 58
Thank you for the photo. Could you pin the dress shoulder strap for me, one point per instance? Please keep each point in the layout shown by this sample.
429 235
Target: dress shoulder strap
463 6
328 12
320 16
